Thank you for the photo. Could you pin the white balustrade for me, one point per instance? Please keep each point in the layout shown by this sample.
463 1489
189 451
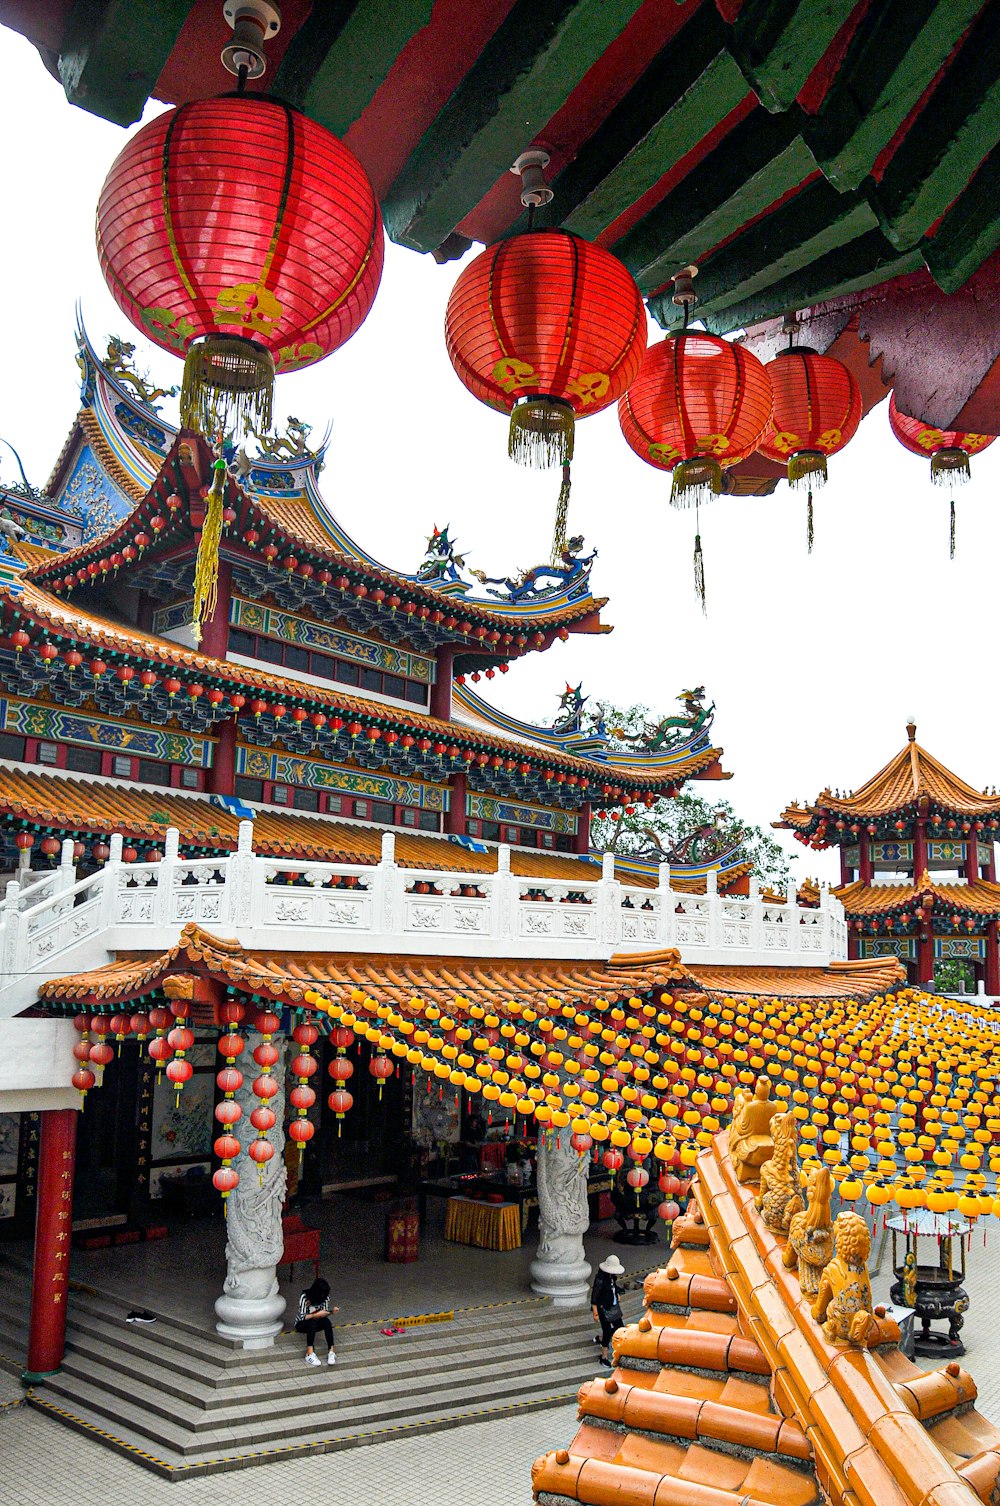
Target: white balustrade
53 923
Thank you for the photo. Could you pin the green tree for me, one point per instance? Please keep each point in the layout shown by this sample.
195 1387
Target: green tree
668 821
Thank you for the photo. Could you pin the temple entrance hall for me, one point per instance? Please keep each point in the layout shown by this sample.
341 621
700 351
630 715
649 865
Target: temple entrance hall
178 1398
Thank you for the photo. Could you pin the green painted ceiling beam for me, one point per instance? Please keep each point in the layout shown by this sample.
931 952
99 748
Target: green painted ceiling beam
761 159
779 42
860 264
521 78
969 232
113 51
810 226
690 86
946 143
343 53
894 55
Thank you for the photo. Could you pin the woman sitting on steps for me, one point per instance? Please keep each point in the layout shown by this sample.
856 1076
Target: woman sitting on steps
313 1316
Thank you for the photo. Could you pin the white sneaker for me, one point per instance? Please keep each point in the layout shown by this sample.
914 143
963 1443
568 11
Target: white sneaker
312 1359
331 1358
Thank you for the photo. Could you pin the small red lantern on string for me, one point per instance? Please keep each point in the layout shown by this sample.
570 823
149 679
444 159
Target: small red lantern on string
948 449
381 1068
698 405
816 411
548 328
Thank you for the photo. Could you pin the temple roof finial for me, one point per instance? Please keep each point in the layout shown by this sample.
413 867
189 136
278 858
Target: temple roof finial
911 729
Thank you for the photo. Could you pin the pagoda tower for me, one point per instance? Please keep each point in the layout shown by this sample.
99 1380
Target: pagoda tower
917 864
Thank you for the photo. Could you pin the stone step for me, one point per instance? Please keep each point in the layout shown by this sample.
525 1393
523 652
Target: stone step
369 1371
142 1415
223 1455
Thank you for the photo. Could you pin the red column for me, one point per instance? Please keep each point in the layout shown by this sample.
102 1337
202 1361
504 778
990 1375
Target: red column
222 774
454 821
215 629
972 856
53 1231
865 858
991 864
853 944
845 872
441 689
925 959
583 829
919 848
993 958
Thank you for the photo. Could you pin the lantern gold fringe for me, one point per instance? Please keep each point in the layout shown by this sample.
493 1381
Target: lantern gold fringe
228 386
695 481
206 567
541 433
950 468
562 513
807 468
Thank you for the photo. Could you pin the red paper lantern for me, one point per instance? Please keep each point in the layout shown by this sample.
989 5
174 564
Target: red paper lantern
699 404
225 1180
341 1069
241 232
260 1151
227 1147
816 411
948 450
300 1130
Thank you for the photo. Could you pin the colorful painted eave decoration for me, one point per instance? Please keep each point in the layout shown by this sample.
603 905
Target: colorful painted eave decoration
161 529
794 151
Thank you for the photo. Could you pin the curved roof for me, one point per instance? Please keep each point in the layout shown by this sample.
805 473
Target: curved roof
913 778
980 897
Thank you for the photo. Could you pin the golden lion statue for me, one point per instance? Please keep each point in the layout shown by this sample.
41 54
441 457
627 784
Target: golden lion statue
779 1197
810 1233
844 1301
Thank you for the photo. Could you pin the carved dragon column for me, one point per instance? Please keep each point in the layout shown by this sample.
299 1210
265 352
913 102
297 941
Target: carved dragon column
560 1269
251 1307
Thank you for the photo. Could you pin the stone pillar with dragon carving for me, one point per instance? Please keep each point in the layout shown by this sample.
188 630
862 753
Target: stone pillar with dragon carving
560 1269
251 1307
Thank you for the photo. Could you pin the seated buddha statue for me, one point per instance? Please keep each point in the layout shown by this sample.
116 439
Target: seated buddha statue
750 1140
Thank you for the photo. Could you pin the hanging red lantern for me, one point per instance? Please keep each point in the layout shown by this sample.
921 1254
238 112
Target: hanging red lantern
291 286
613 1159
548 328
816 411
698 405
382 1069
948 449
225 1180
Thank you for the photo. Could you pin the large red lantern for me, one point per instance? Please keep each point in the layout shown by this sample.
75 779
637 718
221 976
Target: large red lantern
699 405
243 235
816 411
947 449
548 328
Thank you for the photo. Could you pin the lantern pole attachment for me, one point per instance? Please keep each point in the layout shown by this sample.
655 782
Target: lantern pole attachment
529 167
254 22
684 295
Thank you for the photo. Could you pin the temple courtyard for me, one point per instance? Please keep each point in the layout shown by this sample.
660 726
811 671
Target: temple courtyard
457 1465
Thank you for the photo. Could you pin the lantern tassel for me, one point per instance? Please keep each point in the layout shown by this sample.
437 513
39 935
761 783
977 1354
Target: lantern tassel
562 512
542 431
951 547
206 568
699 572
228 384
809 522
950 467
695 481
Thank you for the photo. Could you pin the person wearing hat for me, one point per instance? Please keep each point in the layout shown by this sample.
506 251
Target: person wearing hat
604 1303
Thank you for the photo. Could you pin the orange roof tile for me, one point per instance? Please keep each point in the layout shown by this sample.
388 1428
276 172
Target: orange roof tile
397 978
911 776
726 1390
391 978
74 624
838 980
980 897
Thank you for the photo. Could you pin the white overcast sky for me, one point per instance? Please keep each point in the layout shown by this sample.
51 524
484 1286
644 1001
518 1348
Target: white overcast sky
814 663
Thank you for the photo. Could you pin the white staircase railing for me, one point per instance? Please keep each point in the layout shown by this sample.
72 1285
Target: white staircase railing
54 923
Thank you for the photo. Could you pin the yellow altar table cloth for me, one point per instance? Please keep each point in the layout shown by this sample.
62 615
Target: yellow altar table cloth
489 1226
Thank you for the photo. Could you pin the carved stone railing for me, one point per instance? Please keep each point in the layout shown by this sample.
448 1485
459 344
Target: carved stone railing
57 923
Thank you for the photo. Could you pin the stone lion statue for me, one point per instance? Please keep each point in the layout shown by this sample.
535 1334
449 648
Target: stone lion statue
810 1233
844 1301
779 1197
